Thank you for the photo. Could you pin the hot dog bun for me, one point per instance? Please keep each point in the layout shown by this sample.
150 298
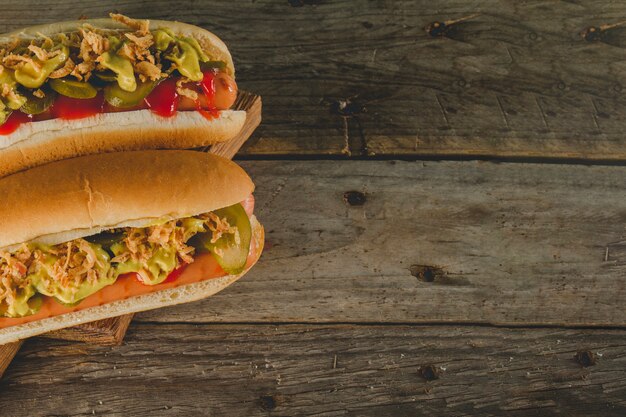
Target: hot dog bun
79 197
40 142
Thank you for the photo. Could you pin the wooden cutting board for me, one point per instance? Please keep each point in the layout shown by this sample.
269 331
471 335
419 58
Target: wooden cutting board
111 331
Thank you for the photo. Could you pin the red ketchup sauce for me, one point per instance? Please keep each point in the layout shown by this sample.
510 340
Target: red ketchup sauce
77 108
14 121
208 88
163 100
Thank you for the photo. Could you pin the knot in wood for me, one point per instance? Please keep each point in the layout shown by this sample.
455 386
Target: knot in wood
429 372
426 273
585 358
267 402
437 29
591 34
347 107
300 3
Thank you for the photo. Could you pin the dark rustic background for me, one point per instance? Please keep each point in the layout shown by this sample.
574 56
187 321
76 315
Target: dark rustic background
442 184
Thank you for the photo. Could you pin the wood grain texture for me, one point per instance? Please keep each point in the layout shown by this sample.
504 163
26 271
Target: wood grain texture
289 370
514 79
7 353
507 244
109 331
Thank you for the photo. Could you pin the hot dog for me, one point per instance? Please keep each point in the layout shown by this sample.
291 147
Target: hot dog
97 236
76 88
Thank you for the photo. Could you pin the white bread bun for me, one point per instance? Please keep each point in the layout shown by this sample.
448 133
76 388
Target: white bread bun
78 197
40 142
178 295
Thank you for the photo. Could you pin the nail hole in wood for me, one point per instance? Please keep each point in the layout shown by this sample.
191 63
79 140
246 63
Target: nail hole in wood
354 198
346 108
429 372
585 358
591 34
425 273
268 403
300 3
437 29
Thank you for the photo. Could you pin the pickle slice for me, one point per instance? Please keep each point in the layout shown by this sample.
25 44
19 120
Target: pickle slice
37 105
209 65
106 239
230 254
108 76
118 97
73 89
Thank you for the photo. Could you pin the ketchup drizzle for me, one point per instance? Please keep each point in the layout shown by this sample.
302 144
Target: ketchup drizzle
14 121
77 108
163 100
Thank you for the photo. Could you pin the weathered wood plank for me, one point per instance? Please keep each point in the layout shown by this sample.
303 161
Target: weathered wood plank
109 331
363 77
248 370
7 353
507 243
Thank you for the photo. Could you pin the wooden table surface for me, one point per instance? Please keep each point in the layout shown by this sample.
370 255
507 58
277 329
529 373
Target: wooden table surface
442 186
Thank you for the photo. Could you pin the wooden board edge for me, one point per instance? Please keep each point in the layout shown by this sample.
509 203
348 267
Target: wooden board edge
7 353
